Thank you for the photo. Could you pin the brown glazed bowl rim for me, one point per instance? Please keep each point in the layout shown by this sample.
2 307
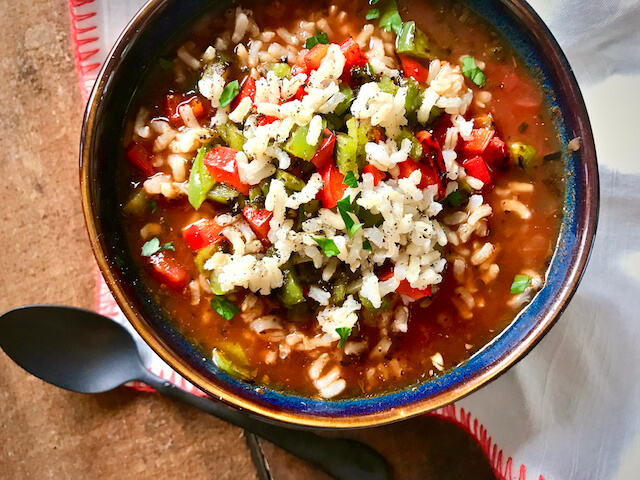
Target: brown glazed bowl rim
524 29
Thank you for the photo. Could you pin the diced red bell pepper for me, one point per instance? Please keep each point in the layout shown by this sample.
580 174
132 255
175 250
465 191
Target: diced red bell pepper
199 106
405 287
429 175
378 175
167 271
258 220
266 120
248 90
223 167
496 153
479 143
353 55
300 93
431 150
140 158
414 69
324 154
333 188
477 169
313 57
203 233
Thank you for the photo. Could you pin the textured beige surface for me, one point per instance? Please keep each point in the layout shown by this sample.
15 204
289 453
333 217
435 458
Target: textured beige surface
45 258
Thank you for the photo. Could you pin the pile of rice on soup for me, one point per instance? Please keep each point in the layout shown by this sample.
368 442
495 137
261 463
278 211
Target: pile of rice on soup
343 199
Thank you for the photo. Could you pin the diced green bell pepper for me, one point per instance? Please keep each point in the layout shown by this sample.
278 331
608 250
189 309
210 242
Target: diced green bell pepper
305 212
222 193
346 153
413 41
231 135
290 181
230 358
346 103
291 292
387 86
413 100
365 135
416 146
339 289
369 306
137 204
297 144
281 70
205 254
200 181
522 155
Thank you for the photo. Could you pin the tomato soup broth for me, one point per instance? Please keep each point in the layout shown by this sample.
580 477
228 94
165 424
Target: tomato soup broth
478 295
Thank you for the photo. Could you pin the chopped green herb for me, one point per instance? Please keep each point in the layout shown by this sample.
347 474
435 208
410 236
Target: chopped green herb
353 229
224 307
168 246
520 283
455 199
373 14
344 333
350 180
200 181
230 92
320 37
345 208
472 72
165 64
153 205
153 246
390 20
373 2
328 246
366 245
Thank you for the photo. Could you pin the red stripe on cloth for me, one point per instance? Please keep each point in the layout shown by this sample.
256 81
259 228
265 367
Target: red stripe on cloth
481 435
79 30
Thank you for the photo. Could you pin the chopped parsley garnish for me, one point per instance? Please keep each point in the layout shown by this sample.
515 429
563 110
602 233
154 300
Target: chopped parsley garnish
328 246
165 64
472 72
230 92
520 283
373 14
319 37
153 246
345 208
455 199
344 333
390 20
224 307
366 245
153 205
350 180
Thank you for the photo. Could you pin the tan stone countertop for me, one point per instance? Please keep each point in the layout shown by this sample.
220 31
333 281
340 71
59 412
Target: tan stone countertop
46 432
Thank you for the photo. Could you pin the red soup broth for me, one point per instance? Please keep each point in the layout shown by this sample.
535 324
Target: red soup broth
469 308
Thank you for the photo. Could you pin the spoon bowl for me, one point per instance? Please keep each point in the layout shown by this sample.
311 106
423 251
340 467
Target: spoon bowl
79 351
82 351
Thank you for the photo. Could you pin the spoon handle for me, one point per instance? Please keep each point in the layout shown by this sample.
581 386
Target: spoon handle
341 458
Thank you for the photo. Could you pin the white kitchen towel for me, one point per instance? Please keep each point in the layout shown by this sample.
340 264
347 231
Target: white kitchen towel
571 408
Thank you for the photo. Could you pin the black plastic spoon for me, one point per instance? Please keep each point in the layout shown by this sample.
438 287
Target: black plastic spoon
82 351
